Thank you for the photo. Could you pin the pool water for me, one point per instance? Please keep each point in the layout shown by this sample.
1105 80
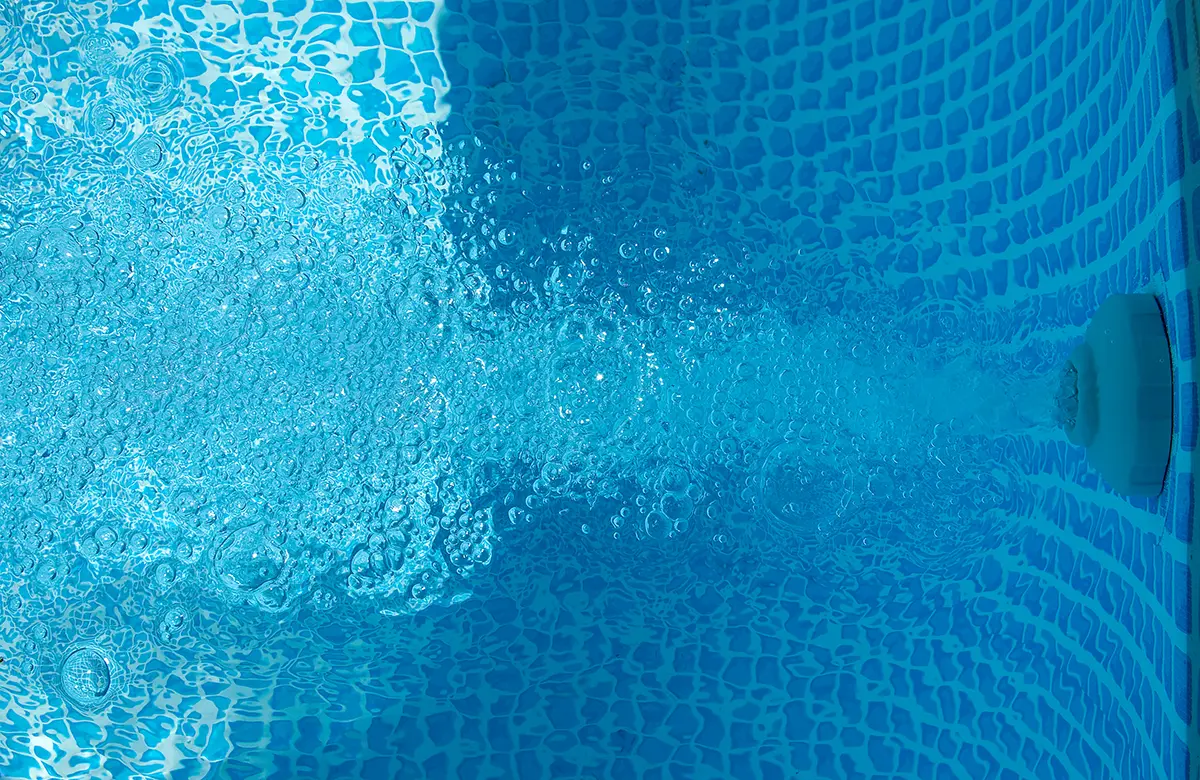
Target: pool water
586 388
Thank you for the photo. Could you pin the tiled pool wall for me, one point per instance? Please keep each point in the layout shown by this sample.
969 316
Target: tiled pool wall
1019 161
1181 301
1021 158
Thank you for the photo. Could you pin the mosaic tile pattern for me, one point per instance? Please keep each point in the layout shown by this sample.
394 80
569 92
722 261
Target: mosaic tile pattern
1009 164
1002 167
220 79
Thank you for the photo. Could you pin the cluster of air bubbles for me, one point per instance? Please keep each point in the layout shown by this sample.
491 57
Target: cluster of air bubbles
675 496
105 542
293 390
1066 399
33 550
171 624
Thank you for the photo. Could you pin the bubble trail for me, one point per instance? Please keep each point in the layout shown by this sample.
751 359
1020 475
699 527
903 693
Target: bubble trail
299 386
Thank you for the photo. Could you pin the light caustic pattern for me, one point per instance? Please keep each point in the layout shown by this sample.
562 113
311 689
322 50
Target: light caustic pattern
265 378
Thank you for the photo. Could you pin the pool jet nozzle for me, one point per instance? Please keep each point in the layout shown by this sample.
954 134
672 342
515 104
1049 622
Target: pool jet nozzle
1116 398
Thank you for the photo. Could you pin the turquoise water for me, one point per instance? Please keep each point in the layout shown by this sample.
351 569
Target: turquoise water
585 389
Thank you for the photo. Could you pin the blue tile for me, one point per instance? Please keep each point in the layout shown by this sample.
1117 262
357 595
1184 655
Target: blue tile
1181 517
1188 423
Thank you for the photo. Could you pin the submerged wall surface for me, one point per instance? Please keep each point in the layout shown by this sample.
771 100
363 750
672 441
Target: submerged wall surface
832 256
1001 167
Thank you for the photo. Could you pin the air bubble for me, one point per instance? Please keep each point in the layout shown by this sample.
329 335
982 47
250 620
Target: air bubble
148 153
30 95
154 79
246 561
273 599
138 542
106 121
106 537
39 634
218 216
555 476
796 490
360 563
674 479
657 526
86 677
47 573
322 600
294 198
165 574
89 548
676 507
188 551
96 51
